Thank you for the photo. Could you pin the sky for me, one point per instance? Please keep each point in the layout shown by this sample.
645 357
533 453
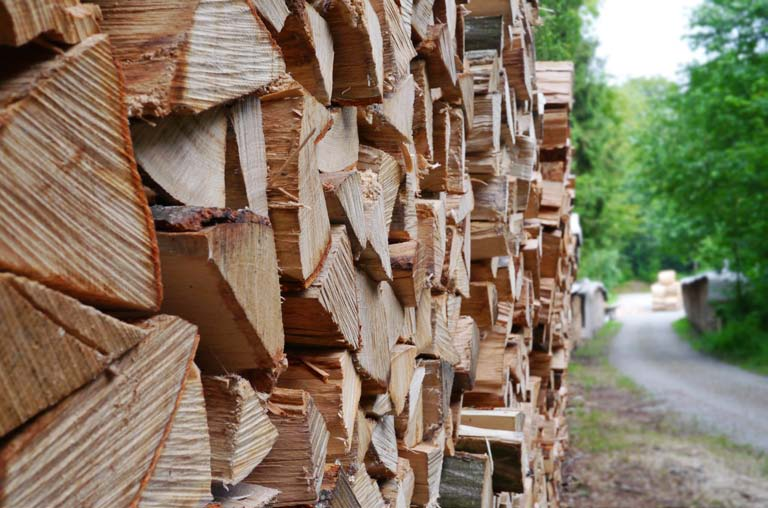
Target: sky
644 38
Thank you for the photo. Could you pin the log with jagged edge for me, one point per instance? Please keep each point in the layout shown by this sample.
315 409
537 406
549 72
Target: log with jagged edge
189 56
409 424
408 272
366 489
307 48
466 340
296 462
489 239
484 33
399 490
508 450
296 203
51 346
437 51
326 313
389 176
431 215
466 481
422 110
337 489
338 148
517 62
484 65
381 459
403 368
66 450
441 344
404 221
219 270
215 158
358 64
331 380
344 201
397 45
361 440
391 123
374 258
66 142
67 21
485 163
492 374
426 459
421 19
396 325
506 281
274 13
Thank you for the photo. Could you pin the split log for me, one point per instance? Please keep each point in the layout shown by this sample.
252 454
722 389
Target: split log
372 358
433 177
63 143
241 433
398 491
466 481
426 459
66 450
186 455
489 239
484 33
344 201
67 21
481 304
485 67
404 222
395 316
307 47
431 215
409 424
486 128
331 380
458 206
437 50
518 63
403 368
361 441
484 163
336 490
422 18
499 418
274 13
366 489
296 202
296 463
358 63
389 176
466 340
422 110
408 272
509 455
491 199
381 459
492 374
441 344
326 313
189 56
220 271
338 148
375 256
397 45
244 496
436 395
214 159
391 122
52 345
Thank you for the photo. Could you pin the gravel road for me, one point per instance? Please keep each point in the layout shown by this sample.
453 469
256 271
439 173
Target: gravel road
721 398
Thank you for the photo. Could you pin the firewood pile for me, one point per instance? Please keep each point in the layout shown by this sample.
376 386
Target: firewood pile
281 253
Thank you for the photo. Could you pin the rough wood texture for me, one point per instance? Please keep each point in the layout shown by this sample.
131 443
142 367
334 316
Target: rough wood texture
51 346
64 20
219 271
491 199
509 457
215 158
489 239
397 46
296 202
484 32
381 459
66 450
390 123
241 433
436 395
326 313
431 216
403 368
375 257
422 109
466 340
344 200
409 425
389 175
358 64
182 476
437 50
77 139
466 481
331 379
486 129
372 357
366 489
337 489
399 490
189 56
338 148
296 463
426 459
307 48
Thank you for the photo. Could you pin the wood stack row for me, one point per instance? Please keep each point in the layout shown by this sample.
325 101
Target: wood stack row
280 253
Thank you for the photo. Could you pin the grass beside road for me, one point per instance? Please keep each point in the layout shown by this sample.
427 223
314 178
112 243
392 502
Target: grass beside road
740 344
626 451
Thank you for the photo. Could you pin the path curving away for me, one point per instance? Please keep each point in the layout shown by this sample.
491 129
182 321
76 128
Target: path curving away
722 398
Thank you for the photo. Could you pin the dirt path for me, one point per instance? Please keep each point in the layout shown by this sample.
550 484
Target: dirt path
723 399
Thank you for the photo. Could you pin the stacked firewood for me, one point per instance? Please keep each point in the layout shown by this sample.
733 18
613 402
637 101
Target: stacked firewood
282 253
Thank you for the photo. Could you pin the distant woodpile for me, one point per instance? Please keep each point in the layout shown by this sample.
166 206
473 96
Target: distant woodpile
282 253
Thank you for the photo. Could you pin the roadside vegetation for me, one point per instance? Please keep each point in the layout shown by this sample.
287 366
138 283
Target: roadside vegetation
626 451
675 175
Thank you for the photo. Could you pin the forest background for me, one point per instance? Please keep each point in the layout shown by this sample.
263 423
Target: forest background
675 174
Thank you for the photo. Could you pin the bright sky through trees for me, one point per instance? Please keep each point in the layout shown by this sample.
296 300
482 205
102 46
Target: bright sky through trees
644 38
